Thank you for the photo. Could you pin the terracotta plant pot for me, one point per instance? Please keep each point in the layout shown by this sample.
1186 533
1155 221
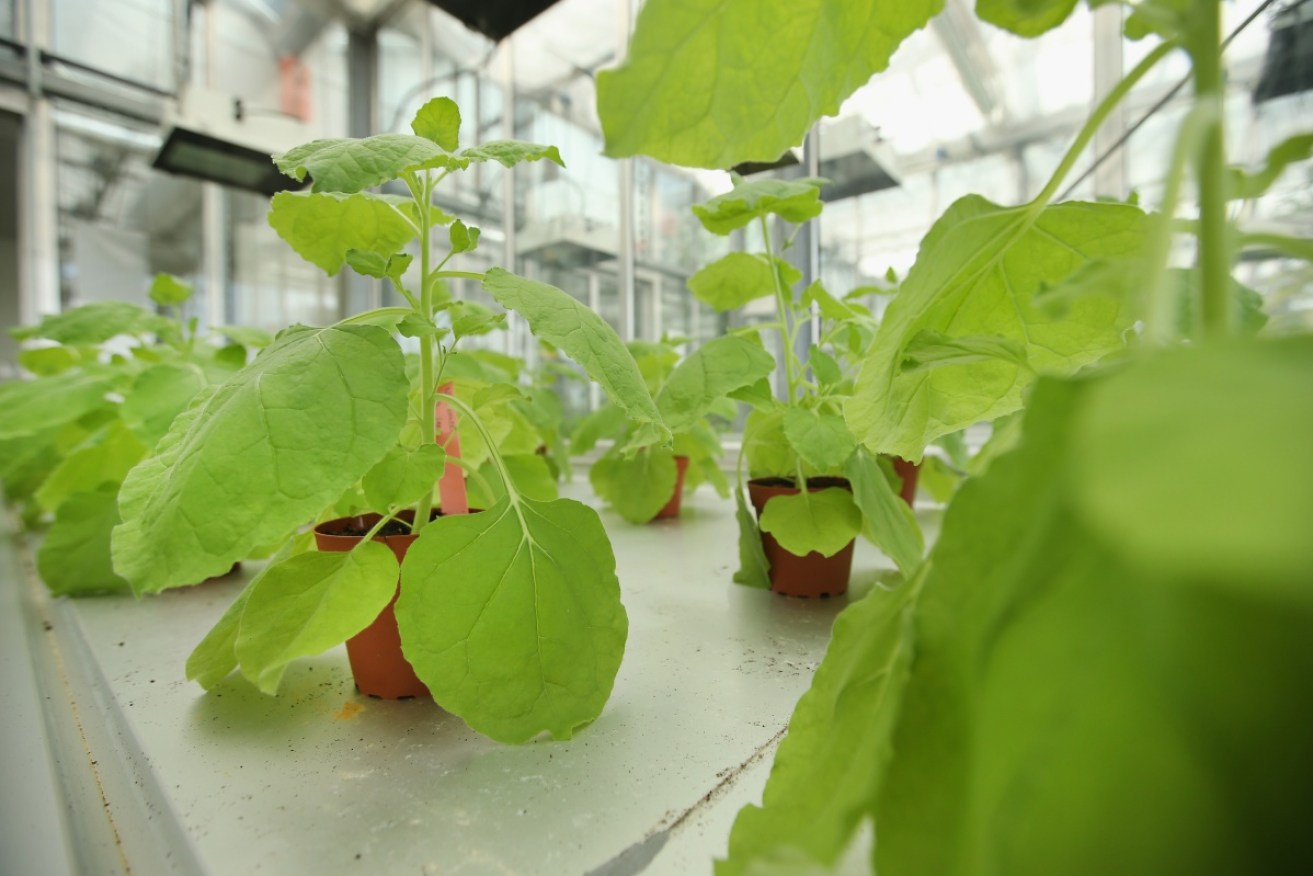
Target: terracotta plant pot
379 667
906 470
791 575
671 508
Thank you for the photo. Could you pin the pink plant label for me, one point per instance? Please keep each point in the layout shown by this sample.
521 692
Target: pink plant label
451 486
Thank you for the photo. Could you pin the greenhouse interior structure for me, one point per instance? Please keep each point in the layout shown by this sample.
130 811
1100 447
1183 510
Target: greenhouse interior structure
622 437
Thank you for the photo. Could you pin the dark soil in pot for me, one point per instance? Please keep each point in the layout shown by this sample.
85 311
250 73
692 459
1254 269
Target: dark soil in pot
808 576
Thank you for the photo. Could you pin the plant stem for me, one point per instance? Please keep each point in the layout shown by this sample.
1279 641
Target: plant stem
427 386
464 275
502 471
382 521
1096 120
786 339
1214 251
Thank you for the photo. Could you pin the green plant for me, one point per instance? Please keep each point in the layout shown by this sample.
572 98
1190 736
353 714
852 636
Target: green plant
638 485
1100 665
512 616
90 413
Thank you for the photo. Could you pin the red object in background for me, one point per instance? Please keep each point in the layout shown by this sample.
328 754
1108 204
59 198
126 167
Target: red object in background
451 487
294 97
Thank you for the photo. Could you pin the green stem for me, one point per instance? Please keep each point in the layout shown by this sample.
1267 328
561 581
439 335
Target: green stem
786 335
1214 259
1096 120
464 275
1295 247
1162 302
427 387
502 471
382 521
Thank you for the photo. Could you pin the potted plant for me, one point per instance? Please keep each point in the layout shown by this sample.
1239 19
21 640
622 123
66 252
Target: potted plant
647 486
1100 664
511 617
801 542
92 410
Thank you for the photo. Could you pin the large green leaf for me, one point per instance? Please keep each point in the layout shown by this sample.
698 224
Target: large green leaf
821 439
512 617
820 786
638 487
711 83
353 165
309 603
823 521
157 395
104 458
324 227
889 522
978 272
737 278
1221 431
31 406
709 373
74 557
96 323
585 337
256 457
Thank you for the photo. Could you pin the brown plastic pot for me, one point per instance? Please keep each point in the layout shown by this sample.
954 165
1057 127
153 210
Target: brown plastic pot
671 508
379 667
907 470
808 576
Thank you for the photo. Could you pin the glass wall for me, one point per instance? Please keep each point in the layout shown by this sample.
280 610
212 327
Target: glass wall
129 39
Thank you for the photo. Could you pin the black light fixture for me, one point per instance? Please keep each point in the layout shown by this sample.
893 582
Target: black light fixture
747 168
495 19
217 139
192 153
1288 63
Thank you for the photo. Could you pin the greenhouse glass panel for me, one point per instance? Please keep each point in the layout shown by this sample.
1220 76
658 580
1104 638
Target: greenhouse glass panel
131 40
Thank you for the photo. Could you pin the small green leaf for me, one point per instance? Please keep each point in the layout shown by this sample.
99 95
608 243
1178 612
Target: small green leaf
254 458
824 521
512 617
1025 18
585 337
159 394
251 338
754 568
325 228
826 370
439 121
471 318
509 153
48 361
794 201
711 372
412 325
309 603
822 440
829 306
889 522
737 278
403 476
74 556
1287 152
637 487
463 237
168 290
758 395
